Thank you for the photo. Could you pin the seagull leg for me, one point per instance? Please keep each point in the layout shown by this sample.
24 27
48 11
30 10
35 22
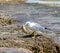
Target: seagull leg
34 34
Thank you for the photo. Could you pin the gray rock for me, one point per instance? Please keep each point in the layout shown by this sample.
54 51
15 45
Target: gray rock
13 50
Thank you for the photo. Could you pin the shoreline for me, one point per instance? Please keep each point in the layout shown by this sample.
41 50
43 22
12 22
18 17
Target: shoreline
48 3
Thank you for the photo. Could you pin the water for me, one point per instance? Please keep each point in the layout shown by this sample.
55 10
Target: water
32 12
46 16
54 2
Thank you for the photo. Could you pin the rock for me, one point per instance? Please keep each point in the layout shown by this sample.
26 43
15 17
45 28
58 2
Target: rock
22 50
41 44
6 20
13 50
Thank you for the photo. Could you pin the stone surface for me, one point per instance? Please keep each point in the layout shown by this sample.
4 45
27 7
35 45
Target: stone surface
13 50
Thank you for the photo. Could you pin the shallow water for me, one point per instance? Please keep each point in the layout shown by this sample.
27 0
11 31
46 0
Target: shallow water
47 16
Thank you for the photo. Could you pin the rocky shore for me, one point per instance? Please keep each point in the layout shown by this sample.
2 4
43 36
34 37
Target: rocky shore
14 40
6 20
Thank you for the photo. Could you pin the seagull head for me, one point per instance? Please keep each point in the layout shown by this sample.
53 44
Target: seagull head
30 24
27 23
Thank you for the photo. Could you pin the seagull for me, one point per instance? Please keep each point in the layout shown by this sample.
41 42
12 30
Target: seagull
33 28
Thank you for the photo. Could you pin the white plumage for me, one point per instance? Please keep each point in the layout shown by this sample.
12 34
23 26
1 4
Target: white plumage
34 26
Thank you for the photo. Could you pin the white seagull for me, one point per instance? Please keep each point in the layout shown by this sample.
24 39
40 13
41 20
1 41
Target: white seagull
33 28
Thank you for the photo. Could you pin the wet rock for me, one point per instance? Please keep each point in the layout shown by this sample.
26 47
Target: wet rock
6 20
13 50
37 45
